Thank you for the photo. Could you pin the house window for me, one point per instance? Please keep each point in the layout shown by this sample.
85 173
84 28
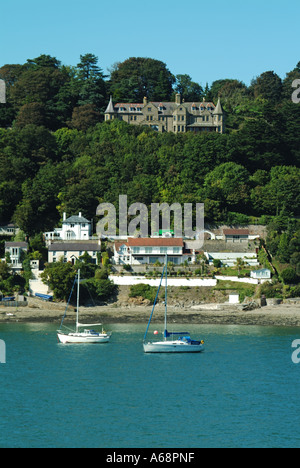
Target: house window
136 250
149 109
176 250
148 250
163 250
174 260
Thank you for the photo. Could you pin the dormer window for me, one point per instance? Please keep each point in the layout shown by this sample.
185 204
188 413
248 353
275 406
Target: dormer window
132 109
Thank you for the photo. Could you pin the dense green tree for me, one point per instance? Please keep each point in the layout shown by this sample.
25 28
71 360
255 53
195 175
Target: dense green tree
268 86
228 183
60 278
92 90
188 89
139 77
289 276
39 202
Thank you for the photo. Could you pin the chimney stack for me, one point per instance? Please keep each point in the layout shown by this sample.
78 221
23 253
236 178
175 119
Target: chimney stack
178 99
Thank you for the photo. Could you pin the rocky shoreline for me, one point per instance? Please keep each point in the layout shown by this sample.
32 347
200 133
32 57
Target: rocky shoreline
286 314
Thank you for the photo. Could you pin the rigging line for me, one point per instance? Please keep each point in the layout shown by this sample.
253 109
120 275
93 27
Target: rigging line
62 321
154 303
86 284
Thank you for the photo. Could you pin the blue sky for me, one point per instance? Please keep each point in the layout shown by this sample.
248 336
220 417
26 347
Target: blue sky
209 40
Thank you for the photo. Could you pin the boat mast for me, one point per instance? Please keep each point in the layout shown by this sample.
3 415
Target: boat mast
78 286
166 298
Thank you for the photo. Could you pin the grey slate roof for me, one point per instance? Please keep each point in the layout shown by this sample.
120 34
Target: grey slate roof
75 247
23 245
167 107
76 220
110 107
218 110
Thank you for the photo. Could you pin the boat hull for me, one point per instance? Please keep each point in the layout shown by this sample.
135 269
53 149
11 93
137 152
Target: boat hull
82 338
173 347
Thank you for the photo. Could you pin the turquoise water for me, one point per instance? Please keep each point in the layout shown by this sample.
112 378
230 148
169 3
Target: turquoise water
244 391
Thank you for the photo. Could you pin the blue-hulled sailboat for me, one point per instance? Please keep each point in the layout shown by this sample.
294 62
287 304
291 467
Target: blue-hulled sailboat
182 344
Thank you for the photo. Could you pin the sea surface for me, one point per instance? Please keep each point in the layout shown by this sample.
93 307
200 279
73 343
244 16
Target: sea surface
243 391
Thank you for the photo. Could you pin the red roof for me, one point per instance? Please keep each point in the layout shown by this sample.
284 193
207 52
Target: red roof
155 242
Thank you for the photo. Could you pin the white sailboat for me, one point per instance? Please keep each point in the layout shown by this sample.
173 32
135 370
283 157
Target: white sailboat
182 344
87 335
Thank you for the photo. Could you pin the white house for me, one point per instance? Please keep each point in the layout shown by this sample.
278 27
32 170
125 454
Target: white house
139 251
262 274
15 250
238 235
70 251
75 228
8 229
230 258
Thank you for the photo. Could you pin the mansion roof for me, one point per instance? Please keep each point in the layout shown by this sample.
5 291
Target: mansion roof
165 108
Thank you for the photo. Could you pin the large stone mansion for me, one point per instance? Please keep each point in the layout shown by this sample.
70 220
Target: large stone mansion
176 117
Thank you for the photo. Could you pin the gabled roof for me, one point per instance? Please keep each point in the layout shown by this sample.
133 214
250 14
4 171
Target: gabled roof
120 244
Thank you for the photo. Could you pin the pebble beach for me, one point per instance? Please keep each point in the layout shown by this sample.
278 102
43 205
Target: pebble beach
285 314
